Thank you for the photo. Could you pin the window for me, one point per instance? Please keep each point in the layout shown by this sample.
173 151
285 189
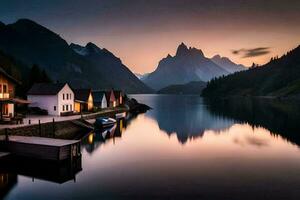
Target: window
0 88
71 107
67 96
67 107
70 96
63 96
54 108
63 107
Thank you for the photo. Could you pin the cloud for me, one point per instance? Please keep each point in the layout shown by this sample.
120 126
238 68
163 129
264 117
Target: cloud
248 53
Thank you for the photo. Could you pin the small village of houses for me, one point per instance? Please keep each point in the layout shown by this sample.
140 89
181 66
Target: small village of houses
59 110
53 99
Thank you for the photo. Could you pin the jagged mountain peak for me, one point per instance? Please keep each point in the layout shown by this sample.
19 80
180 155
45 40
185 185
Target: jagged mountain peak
29 26
217 57
189 64
169 56
183 50
92 47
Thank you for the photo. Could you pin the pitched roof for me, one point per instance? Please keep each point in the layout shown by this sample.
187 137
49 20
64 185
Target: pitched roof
98 95
82 94
2 71
45 88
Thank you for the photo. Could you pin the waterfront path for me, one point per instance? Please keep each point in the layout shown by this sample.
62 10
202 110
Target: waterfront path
34 119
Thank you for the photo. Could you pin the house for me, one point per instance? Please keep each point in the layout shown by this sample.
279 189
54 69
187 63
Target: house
119 97
56 98
7 95
100 100
84 100
111 99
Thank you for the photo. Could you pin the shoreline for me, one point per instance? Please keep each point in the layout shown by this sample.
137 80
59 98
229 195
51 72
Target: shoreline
65 128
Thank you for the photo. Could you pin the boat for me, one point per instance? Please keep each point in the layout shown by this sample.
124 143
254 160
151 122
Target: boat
104 122
121 115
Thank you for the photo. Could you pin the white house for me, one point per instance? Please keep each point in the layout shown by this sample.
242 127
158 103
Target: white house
100 100
56 98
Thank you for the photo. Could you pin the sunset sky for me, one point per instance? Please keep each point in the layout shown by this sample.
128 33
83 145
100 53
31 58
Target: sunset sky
142 32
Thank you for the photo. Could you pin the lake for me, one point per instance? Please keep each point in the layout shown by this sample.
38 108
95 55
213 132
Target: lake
185 147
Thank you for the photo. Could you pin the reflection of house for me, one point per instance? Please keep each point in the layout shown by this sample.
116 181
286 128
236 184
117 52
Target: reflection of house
99 99
83 100
56 172
56 98
7 95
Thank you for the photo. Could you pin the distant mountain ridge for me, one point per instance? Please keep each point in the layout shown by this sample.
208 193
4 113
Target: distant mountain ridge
278 78
189 64
227 64
32 43
194 87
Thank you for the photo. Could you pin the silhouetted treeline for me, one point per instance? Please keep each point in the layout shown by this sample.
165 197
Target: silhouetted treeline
280 77
21 72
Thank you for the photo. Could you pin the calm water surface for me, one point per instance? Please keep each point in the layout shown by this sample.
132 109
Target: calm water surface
185 147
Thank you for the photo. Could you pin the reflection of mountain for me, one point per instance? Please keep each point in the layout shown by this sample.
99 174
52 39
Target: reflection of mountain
45 170
94 140
185 116
279 117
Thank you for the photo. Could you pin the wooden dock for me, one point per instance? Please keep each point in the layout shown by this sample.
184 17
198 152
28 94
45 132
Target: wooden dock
43 148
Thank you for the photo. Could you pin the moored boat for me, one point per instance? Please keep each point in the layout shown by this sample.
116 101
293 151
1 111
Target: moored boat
104 122
121 115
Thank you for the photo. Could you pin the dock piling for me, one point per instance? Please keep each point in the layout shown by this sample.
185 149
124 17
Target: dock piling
53 128
40 128
6 135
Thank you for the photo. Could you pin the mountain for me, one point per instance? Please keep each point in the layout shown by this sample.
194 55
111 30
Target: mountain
189 64
31 43
141 76
194 87
227 64
109 69
278 78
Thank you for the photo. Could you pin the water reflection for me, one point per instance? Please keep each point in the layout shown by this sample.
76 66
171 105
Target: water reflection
278 116
7 182
43 170
226 155
94 140
185 116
